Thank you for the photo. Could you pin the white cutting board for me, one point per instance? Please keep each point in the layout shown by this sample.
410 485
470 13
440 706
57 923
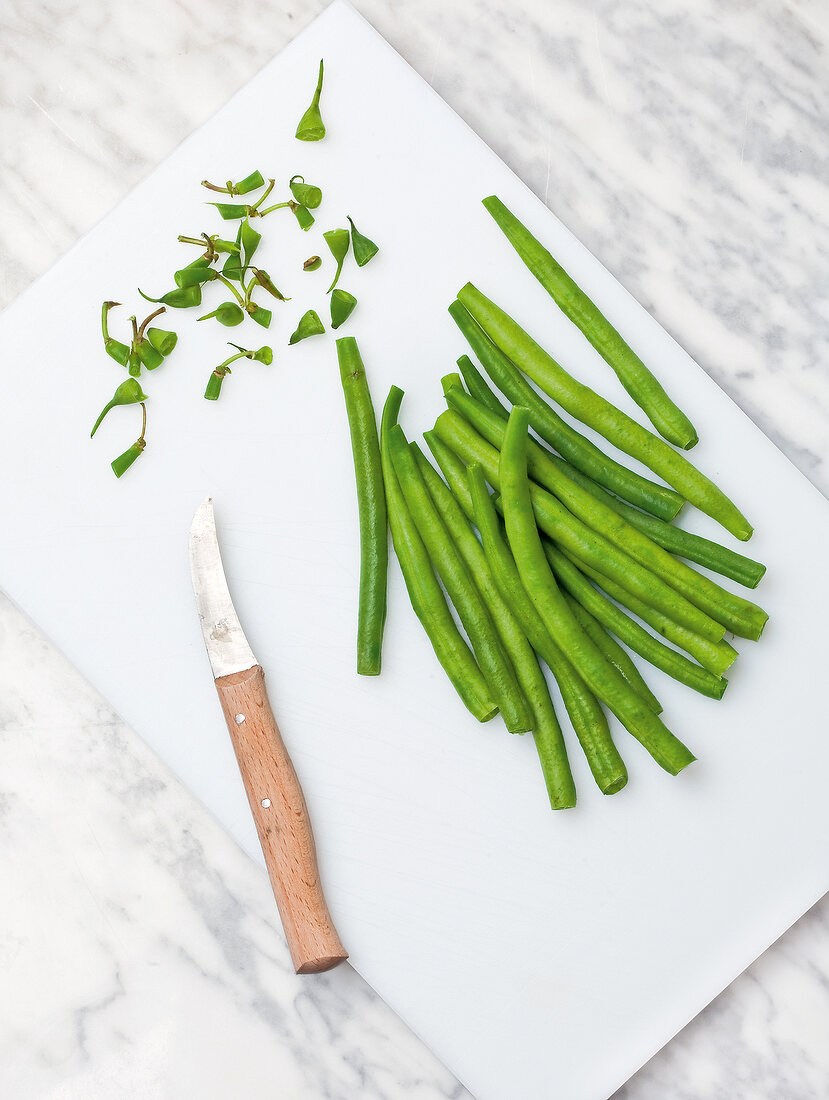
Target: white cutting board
538 954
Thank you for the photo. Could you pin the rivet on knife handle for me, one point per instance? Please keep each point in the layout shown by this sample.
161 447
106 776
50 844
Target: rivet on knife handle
273 790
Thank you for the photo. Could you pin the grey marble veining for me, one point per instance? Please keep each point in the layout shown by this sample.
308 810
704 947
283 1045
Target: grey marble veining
685 144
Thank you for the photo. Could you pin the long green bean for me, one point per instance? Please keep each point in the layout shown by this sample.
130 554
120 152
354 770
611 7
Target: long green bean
601 677
371 505
588 718
677 665
683 543
640 383
460 586
584 455
425 593
717 657
586 405
734 612
563 527
613 652
549 740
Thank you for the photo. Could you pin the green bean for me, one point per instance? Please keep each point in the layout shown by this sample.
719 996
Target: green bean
460 586
717 657
735 613
584 455
614 653
564 528
601 677
549 741
425 593
309 324
371 501
683 543
588 718
586 405
342 306
640 383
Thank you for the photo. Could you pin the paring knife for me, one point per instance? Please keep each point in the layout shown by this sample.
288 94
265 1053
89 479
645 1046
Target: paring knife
273 790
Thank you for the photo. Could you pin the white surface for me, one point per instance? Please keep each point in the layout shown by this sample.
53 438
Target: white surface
472 913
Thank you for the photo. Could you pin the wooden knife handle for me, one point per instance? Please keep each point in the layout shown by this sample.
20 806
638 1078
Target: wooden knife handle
281 816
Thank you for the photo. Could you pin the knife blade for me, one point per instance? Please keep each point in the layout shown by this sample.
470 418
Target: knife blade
274 793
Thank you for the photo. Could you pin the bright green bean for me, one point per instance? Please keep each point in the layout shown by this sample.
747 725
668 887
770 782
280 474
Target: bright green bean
735 613
549 741
563 527
584 455
614 653
640 383
425 593
683 543
588 718
601 677
717 657
371 506
586 405
460 586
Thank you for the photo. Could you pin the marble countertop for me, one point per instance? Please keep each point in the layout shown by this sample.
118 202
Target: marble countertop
685 144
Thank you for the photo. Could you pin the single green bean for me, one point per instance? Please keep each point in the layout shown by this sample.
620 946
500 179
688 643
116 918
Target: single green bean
586 405
588 718
564 528
549 741
683 543
584 455
717 657
640 383
371 501
601 677
614 653
425 593
460 586
735 613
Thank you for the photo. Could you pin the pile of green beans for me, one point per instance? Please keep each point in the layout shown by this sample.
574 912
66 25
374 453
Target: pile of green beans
533 551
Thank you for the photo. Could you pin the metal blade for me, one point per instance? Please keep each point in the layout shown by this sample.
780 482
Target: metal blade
227 646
